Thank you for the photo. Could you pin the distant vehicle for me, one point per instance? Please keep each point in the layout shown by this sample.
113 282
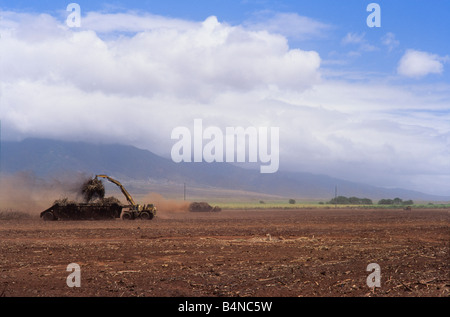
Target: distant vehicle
203 207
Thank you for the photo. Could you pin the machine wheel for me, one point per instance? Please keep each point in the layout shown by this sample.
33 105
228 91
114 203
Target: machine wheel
146 215
48 216
126 216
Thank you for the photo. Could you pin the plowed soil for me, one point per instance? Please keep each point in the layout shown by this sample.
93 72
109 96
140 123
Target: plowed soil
282 253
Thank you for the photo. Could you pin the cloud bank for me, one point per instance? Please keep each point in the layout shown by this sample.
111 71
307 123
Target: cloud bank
132 78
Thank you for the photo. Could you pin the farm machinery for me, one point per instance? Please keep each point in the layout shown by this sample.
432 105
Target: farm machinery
104 208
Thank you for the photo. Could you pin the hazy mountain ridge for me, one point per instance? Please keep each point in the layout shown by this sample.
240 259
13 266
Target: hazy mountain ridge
50 158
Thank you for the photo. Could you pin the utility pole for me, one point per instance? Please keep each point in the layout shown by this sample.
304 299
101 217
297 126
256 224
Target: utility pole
335 197
184 191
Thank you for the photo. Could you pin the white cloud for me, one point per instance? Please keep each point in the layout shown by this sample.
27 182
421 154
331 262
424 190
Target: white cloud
290 25
390 41
75 83
132 22
184 59
353 38
360 41
376 133
418 64
135 78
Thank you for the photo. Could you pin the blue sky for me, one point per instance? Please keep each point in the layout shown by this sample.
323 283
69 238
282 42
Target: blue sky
416 24
350 100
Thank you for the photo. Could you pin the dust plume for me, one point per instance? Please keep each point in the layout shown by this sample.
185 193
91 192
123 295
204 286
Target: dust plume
165 206
27 193
92 189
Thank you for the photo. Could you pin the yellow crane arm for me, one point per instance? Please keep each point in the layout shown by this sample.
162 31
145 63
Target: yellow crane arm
124 191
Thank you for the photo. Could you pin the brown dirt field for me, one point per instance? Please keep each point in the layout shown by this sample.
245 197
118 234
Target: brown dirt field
245 253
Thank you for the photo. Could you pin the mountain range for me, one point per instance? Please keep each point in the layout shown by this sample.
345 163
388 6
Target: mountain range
143 170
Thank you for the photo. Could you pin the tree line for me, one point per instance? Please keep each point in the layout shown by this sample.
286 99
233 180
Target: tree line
342 200
395 201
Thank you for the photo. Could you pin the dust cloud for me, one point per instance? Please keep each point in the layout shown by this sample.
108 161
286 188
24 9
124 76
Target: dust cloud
24 192
166 206
92 189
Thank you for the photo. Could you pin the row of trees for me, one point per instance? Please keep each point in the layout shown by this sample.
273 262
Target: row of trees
342 200
395 201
